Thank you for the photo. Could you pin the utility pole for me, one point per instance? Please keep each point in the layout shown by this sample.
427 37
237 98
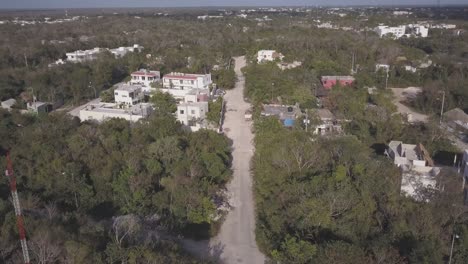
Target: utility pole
386 79
442 108
451 248
16 204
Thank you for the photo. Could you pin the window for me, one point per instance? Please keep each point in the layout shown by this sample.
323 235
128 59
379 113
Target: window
143 78
181 112
193 112
181 81
116 93
193 82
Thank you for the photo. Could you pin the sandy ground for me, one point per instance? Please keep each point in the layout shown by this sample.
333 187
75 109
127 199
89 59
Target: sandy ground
401 95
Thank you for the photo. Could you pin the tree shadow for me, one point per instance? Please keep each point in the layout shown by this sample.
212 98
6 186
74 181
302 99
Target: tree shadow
203 250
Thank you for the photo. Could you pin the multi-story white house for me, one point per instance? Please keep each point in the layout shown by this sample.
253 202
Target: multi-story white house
128 94
185 82
145 77
83 55
397 32
268 55
192 111
192 114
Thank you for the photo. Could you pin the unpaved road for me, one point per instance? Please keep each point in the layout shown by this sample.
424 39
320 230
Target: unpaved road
405 110
237 234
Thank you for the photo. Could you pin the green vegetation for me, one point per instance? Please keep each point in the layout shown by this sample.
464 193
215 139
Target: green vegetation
83 186
224 78
214 115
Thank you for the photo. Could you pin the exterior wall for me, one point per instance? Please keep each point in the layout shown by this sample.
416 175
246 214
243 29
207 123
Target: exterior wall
128 97
187 82
145 79
419 163
187 112
102 116
398 32
329 83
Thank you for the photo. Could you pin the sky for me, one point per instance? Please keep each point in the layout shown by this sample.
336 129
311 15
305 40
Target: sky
31 4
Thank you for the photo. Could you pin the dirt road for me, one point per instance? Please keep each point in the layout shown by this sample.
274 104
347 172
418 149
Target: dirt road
237 237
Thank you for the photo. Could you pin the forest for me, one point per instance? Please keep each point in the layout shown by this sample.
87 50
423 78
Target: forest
110 193
119 193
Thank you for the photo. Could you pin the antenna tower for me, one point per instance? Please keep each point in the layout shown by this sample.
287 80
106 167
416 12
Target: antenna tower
19 217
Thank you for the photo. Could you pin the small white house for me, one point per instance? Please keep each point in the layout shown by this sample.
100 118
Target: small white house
268 55
192 114
145 77
128 94
122 51
186 81
83 55
384 67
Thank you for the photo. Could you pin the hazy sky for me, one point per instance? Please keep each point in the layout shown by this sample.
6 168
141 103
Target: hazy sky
179 3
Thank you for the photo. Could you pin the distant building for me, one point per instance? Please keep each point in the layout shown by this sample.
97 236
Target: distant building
268 55
397 32
418 171
192 114
328 123
104 111
122 51
287 114
410 68
128 94
385 67
186 82
8 104
329 81
402 13
145 77
84 55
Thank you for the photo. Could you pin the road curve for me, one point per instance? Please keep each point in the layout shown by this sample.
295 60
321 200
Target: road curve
236 239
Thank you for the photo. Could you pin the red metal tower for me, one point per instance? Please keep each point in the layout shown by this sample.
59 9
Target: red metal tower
19 217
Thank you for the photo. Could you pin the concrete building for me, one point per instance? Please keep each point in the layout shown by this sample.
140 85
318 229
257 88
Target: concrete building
397 32
192 114
128 94
145 77
38 107
418 171
84 55
104 111
417 31
287 114
384 67
329 81
268 55
186 81
8 104
328 123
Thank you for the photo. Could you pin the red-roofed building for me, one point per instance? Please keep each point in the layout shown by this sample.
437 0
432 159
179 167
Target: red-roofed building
145 77
186 81
329 81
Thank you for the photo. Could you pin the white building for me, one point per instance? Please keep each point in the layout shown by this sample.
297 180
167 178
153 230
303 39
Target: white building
328 123
8 104
418 171
192 114
122 51
384 67
417 31
402 13
103 111
268 55
186 82
145 77
128 94
83 55
397 32
411 68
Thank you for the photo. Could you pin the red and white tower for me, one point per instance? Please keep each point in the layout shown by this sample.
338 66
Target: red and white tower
19 217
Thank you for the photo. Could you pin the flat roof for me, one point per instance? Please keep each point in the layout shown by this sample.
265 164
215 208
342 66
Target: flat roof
113 108
178 75
146 73
350 78
128 87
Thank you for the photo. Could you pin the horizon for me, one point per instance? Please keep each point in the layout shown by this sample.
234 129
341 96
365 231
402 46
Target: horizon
89 4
